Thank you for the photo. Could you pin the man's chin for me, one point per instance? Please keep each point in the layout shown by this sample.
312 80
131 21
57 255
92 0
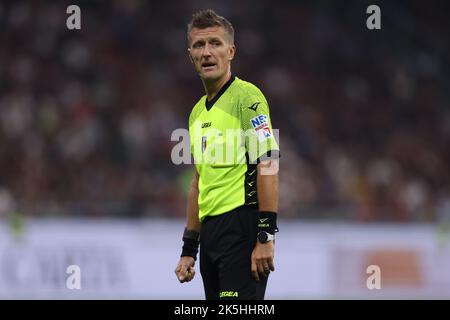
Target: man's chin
209 76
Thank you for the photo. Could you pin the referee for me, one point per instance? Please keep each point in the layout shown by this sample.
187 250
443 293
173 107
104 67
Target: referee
233 202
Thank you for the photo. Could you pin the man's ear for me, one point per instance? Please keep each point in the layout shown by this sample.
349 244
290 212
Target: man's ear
189 54
232 52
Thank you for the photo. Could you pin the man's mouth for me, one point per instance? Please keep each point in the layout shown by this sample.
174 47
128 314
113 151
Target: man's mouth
208 65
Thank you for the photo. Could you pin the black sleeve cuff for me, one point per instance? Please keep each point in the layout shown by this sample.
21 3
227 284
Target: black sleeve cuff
269 155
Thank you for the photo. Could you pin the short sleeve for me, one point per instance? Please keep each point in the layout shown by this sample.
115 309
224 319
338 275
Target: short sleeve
260 138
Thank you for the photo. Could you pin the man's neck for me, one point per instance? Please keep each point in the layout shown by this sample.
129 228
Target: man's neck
213 88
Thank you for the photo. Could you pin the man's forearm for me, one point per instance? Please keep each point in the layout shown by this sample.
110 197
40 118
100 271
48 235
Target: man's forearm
193 222
191 234
267 185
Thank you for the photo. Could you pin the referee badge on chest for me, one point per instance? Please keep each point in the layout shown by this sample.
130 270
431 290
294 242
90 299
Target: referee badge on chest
203 144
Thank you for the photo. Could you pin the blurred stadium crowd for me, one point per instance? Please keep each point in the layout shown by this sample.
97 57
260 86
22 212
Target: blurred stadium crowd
86 115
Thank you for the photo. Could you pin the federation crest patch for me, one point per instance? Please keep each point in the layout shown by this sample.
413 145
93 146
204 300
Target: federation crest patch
260 124
203 143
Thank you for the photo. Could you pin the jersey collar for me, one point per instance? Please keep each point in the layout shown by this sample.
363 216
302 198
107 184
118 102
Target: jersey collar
209 104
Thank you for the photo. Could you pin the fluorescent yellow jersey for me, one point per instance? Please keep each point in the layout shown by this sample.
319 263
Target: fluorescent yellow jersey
229 135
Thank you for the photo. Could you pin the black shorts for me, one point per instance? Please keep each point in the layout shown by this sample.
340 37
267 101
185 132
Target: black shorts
226 245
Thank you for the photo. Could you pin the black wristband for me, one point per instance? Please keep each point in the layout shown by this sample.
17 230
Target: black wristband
191 234
191 239
267 221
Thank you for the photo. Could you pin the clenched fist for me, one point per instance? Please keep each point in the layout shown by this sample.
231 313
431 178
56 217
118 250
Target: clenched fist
185 269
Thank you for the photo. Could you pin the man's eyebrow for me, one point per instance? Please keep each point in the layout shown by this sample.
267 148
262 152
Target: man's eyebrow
198 41
208 39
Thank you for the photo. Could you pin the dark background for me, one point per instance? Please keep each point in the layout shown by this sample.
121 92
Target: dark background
364 115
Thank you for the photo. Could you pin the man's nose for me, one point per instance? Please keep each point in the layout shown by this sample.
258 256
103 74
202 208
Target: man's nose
206 51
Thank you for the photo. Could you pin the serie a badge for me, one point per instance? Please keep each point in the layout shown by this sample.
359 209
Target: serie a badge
203 144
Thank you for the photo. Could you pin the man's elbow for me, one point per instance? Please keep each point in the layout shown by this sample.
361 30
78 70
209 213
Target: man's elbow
268 167
194 183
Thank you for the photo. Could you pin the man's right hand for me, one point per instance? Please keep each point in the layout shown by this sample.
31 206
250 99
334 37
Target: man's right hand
185 269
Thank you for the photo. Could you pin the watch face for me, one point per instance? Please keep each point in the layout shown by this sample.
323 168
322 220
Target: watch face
262 236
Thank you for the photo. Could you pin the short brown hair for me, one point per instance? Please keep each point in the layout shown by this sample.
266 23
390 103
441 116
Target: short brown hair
208 18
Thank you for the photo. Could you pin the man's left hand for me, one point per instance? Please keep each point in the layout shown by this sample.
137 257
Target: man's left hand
262 259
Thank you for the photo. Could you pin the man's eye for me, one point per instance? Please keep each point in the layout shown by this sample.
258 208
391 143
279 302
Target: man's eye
198 45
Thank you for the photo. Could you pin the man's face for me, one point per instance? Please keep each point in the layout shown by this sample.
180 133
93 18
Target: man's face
211 52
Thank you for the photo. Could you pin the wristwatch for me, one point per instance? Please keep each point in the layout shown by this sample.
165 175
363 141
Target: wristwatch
264 237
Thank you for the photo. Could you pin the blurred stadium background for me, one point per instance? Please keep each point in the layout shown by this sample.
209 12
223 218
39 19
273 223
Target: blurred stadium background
86 116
